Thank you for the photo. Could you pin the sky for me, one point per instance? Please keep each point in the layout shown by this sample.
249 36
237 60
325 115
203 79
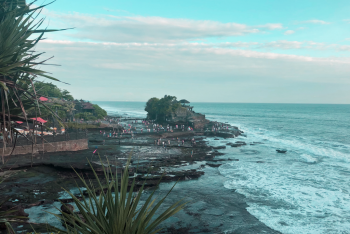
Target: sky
253 51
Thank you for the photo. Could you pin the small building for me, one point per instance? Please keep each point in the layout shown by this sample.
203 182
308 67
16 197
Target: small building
88 107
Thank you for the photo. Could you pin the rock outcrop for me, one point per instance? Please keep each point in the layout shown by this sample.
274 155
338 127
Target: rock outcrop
188 117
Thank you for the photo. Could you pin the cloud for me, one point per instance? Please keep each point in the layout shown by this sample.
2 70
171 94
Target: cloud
108 71
289 32
314 21
111 28
280 44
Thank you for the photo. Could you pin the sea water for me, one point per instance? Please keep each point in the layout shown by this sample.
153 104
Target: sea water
306 190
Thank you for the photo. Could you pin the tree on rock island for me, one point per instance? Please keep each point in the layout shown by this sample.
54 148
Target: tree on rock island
159 109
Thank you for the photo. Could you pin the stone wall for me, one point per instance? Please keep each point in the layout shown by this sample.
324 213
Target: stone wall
72 145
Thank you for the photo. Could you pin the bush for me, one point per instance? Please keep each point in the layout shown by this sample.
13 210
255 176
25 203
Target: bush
99 112
115 214
72 125
86 116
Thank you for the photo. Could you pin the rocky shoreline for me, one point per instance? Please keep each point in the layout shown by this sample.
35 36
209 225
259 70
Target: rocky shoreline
41 184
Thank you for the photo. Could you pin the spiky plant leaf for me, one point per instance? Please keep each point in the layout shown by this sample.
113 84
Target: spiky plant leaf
116 210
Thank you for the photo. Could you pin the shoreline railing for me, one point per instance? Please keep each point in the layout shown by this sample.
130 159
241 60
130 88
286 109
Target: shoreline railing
39 138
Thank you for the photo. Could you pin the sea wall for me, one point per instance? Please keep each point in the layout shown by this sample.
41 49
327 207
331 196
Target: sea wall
72 145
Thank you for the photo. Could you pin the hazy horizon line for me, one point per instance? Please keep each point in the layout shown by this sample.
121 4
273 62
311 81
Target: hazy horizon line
248 103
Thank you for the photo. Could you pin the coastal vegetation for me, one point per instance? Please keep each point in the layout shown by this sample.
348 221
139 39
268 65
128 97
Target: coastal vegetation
114 208
159 109
20 33
75 125
117 209
48 89
64 104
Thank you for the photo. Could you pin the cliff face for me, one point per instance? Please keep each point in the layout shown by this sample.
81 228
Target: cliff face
184 116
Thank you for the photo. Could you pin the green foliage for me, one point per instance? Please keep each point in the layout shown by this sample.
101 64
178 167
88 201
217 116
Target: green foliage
20 33
66 95
73 125
50 90
161 108
47 90
152 107
86 116
117 209
99 112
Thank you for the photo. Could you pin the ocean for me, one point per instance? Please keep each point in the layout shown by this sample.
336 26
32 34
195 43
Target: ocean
306 190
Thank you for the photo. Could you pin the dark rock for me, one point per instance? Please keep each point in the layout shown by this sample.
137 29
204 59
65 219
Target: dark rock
236 145
281 151
241 142
216 139
220 147
67 208
259 161
18 209
233 159
213 165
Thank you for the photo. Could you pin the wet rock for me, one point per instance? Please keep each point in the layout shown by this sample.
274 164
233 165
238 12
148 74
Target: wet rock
216 139
67 208
233 159
214 211
281 151
17 209
213 165
260 162
220 147
236 145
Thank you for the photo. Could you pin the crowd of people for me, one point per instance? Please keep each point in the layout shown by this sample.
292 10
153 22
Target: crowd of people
148 126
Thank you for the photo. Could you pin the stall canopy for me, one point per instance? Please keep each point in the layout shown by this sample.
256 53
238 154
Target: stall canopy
43 99
40 120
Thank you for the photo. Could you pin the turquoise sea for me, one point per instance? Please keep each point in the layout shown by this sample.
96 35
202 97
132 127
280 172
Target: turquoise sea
306 190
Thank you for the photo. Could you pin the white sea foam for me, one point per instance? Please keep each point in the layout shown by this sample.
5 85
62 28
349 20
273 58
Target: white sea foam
304 191
308 158
292 199
120 111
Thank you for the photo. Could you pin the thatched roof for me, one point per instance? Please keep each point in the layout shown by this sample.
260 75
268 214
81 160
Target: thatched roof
184 101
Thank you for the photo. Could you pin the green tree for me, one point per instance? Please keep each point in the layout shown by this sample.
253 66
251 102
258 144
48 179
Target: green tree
50 90
161 108
151 108
66 95
99 112
47 90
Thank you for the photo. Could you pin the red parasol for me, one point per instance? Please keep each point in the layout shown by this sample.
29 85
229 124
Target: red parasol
43 99
40 120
